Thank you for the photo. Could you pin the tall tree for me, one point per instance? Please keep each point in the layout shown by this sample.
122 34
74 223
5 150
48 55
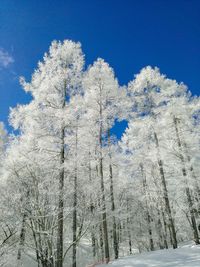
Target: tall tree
101 96
55 81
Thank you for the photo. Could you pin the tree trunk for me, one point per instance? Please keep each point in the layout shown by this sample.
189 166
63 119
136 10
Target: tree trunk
159 230
193 220
59 260
104 215
101 241
74 227
92 207
35 241
148 217
128 229
166 198
165 230
21 240
115 242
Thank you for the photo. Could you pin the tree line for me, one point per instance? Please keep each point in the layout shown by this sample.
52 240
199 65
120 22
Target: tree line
72 193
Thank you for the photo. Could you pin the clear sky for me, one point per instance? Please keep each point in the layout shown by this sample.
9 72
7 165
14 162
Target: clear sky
129 34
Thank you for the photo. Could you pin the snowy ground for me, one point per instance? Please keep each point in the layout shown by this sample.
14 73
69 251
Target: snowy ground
185 256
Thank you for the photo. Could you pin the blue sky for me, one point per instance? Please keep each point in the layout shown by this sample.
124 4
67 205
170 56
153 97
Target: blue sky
129 34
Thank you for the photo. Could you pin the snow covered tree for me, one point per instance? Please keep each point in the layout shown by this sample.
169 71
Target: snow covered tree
45 119
102 96
74 183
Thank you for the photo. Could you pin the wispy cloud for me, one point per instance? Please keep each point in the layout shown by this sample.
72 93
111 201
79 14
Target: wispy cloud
5 58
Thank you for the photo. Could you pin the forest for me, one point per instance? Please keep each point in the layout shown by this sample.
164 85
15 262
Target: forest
73 192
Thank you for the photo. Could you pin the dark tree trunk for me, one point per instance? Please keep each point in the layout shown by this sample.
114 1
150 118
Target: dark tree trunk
104 215
159 230
150 232
165 230
59 259
166 198
101 241
74 227
92 207
93 244
115 242
148 217
128 229
192 214
22 232
22 238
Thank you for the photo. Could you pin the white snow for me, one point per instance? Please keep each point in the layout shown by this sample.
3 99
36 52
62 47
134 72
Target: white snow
186 256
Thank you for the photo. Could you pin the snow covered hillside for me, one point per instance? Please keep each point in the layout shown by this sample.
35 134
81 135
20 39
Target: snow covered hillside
186 256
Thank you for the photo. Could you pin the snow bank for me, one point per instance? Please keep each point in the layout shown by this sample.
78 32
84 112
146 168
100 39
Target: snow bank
185 256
